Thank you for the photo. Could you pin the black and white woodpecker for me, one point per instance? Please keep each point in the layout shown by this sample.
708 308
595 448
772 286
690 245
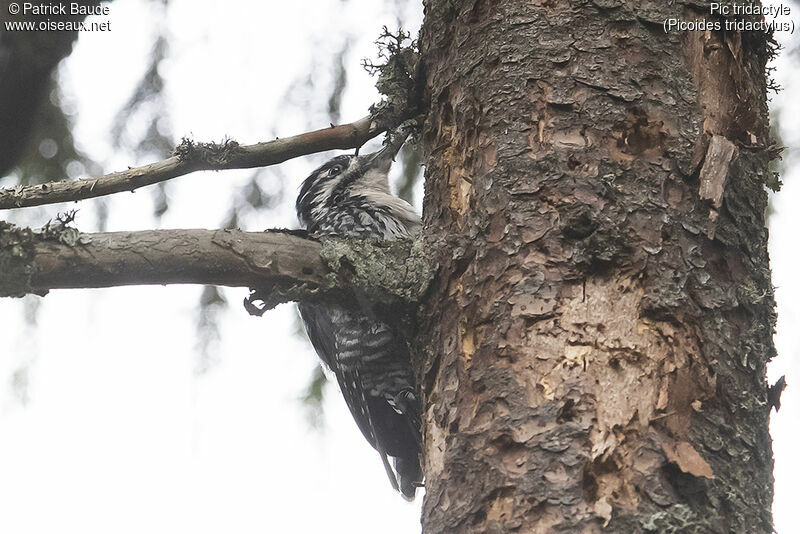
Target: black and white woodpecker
349 197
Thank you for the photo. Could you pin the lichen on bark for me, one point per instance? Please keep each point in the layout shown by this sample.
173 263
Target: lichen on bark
16 260
398 269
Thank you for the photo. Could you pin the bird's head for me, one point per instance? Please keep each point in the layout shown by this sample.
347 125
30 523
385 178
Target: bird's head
342 178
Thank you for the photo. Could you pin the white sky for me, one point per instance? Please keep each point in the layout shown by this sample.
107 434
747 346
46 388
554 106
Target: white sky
115 432
785 258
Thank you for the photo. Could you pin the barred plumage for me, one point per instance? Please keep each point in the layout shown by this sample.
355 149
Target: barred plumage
349 197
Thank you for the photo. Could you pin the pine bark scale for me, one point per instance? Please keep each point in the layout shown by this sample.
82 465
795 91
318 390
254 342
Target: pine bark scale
593 353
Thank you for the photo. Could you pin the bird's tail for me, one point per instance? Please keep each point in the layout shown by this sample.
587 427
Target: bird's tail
409 475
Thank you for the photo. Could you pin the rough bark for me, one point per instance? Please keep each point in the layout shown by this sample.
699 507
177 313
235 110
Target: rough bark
593 349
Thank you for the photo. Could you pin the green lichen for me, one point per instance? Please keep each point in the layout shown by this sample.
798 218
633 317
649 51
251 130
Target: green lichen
679 518
400 268
383 271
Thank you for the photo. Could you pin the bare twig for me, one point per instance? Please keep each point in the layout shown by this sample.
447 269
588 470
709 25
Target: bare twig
191 157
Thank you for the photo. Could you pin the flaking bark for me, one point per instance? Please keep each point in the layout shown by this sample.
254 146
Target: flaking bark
593 350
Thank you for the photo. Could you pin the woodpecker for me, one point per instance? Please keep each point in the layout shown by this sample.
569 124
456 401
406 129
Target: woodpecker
349 197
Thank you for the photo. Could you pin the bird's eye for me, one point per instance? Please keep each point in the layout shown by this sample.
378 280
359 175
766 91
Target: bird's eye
336 169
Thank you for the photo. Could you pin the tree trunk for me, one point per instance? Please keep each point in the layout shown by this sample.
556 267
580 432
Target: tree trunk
593 352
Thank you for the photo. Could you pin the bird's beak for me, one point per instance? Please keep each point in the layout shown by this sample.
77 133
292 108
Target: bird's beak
383 158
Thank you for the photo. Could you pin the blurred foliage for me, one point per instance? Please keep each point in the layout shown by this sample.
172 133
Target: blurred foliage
339 84
31 130
50 153
777 166
20 378
313 398
253 197
211 306
147 105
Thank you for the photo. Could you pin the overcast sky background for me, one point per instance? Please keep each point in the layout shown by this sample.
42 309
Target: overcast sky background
105 426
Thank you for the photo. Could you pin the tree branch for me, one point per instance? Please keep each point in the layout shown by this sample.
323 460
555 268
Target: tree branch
214 257
190 157
281 263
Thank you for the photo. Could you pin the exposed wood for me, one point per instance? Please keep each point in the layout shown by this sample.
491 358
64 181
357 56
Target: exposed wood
714 172
714 176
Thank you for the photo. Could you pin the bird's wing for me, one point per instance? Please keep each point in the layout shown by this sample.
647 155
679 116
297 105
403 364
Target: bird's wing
391 426
321 331
319 321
